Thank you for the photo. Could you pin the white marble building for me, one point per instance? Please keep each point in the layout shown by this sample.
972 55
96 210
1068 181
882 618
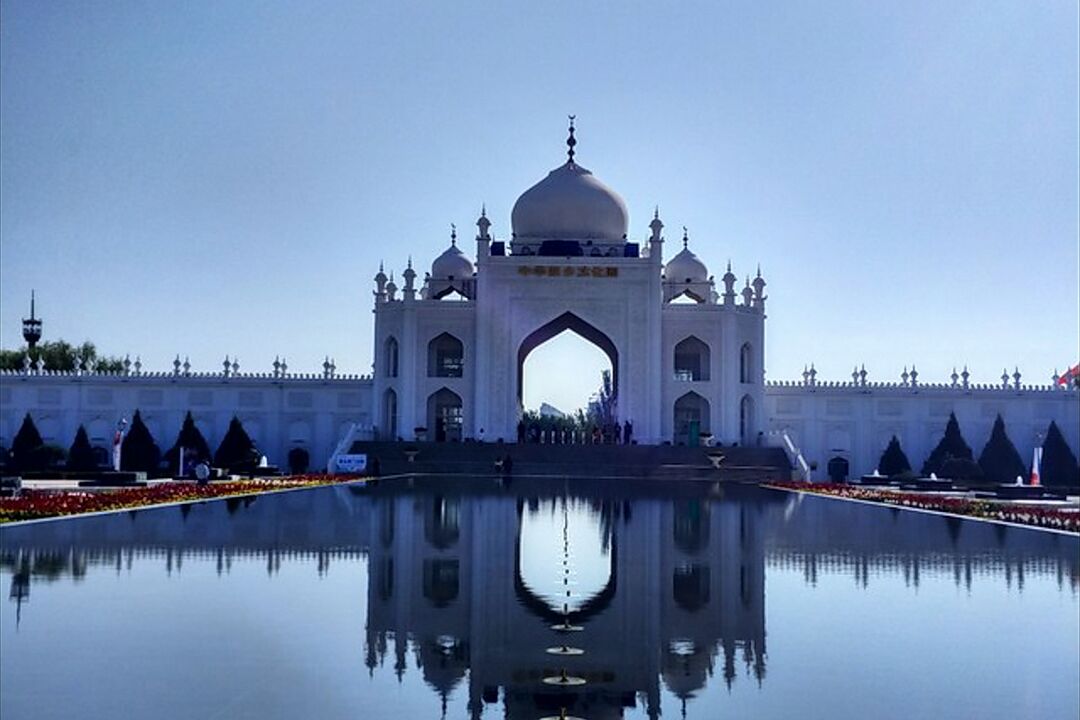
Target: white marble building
686 359
449 350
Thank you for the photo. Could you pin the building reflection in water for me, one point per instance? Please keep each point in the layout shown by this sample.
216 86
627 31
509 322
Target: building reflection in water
670 591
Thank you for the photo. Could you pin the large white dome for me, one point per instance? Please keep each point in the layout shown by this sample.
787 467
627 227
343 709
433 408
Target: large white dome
570 204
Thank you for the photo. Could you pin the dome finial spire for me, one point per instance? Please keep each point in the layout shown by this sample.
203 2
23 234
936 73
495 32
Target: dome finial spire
453 234
685 237
570 141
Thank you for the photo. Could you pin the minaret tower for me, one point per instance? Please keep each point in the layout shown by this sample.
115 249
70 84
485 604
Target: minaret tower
31 327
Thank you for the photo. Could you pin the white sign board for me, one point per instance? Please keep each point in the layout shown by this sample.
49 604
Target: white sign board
351 463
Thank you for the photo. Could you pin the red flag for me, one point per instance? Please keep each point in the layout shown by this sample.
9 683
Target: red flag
1070 375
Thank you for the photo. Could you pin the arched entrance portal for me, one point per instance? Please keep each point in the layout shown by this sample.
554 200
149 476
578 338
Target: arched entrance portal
566 321
691 419
444 416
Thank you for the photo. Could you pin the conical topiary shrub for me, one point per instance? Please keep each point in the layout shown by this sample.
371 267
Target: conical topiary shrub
893 461
81 454
195 447
951 446
999 460
236 450
26 447
1058 462
139 452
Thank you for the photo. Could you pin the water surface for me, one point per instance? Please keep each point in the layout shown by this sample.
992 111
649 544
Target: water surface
438 598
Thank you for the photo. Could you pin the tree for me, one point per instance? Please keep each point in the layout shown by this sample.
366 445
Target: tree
26 446
81 455
60 355
236 449
193 442
893 461
139 452
999 460
602 409
951 446
1058 462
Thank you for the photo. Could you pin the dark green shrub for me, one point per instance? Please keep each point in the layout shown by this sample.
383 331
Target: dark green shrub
25 453
196 449
139 452
81 454
952 445
236 451
999 460
1058 462
893 461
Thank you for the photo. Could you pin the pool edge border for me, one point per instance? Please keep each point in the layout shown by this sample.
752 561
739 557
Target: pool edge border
875 503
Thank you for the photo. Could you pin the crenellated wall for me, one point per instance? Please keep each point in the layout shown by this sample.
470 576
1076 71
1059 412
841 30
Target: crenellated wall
855 420
279 410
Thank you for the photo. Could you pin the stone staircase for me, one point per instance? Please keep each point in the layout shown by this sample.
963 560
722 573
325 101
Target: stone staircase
639 461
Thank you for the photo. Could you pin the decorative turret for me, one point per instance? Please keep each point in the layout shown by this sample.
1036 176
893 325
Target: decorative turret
391 288
31 326
1005 378
965 375
1016 377
409 292
914 376
380 284
656 240
759 291
862 375
483 238
954 377
729 286
747 293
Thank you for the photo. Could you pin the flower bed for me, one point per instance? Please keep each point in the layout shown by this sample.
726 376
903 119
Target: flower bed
1047 517
36 504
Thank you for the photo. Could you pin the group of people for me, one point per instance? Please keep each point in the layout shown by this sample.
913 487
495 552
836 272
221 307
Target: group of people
606 434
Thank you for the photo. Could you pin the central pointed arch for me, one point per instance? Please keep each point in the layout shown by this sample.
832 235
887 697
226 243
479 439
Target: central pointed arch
566 321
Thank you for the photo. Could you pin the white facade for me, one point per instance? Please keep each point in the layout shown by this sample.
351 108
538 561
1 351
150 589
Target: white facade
279 411
687 356
854 420
450 353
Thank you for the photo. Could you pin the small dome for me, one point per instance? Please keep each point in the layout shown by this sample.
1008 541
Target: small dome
452 264
686 267
570 204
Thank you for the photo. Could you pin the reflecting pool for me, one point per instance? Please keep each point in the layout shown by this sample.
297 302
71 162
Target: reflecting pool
457 598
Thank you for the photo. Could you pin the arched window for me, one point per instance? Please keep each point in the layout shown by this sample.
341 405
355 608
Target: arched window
390 414
691 419
746 364
442 525
690 587
746 421
444 416
390 365
441 581
692 360
446 356
691 526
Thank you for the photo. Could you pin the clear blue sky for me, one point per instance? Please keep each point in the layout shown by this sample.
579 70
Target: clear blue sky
211 178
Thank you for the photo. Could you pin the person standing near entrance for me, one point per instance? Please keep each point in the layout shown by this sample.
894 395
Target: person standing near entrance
118 442
627 430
